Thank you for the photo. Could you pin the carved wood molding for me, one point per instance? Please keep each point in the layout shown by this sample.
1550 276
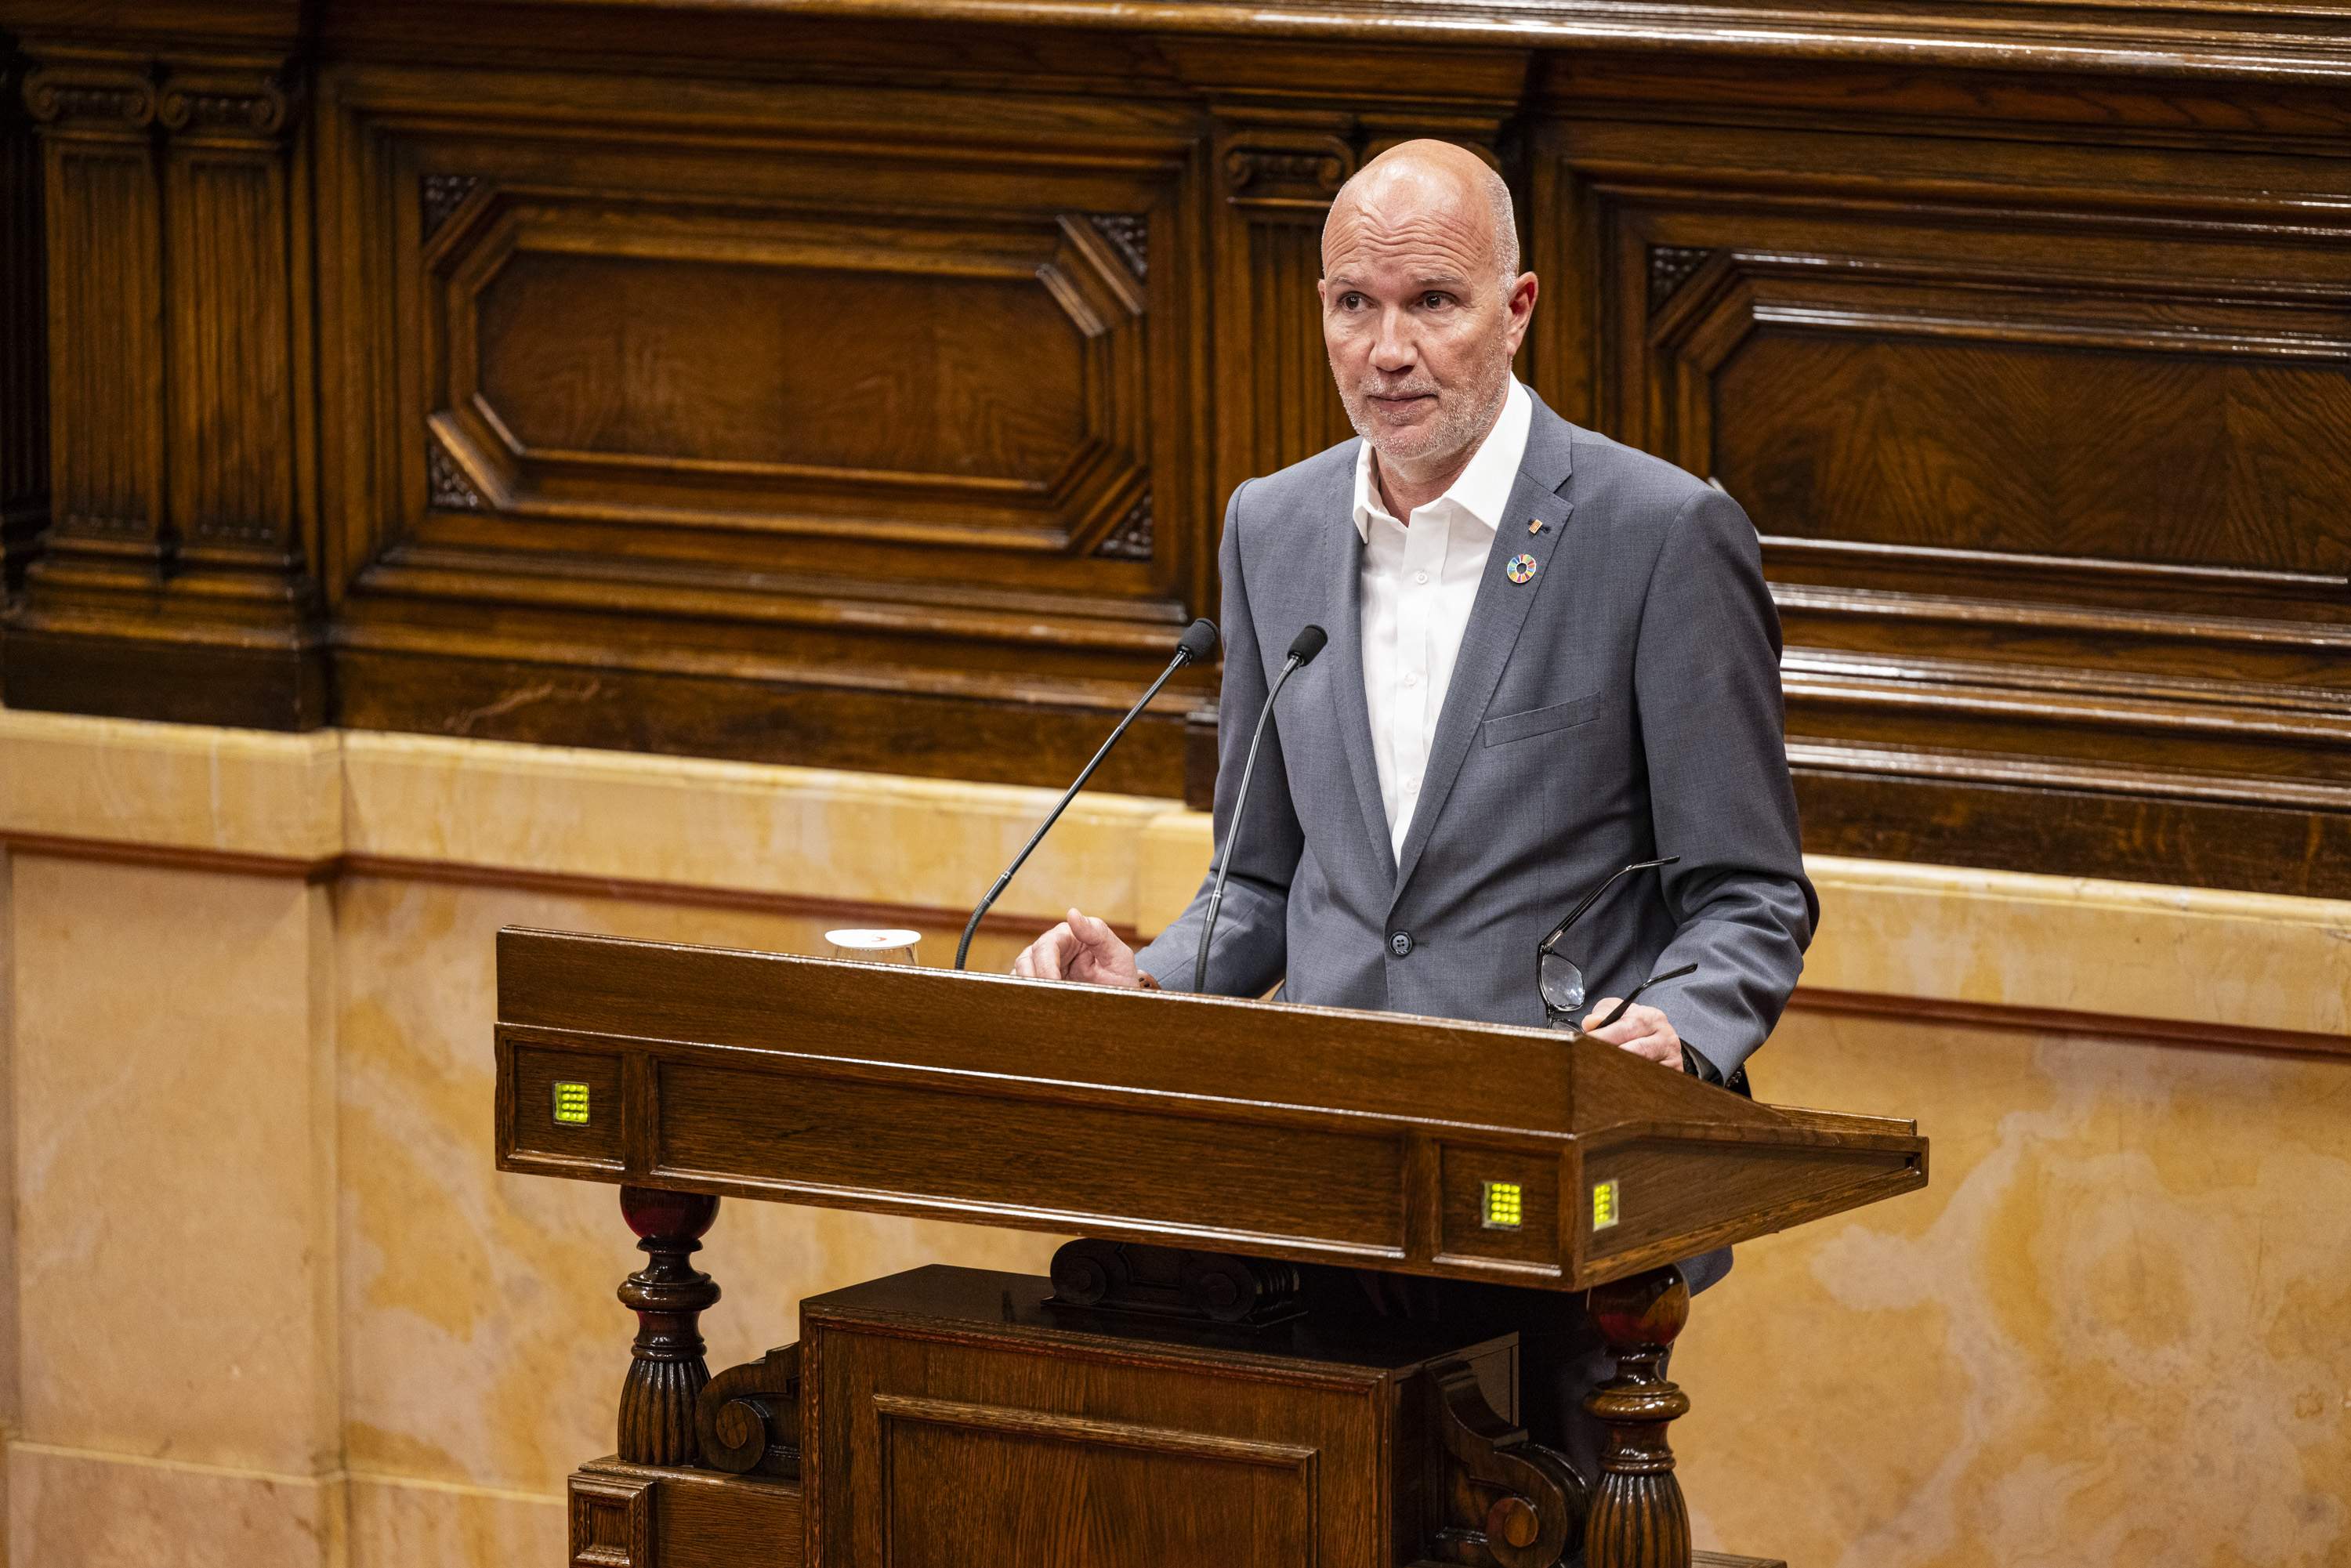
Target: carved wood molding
747 1419
252 105
1131 540
116 96
1293 172
612 1519
439 197
1130 234
1506 1502
447 484
1670 266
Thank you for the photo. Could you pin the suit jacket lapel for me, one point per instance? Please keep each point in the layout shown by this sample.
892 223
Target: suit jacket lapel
1344 621
1496 617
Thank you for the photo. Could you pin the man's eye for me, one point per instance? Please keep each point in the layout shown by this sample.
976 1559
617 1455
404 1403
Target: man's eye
1350 303
1435 301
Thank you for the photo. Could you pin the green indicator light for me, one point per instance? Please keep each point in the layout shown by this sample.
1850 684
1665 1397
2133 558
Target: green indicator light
571 1104
1506 1205
1605 1209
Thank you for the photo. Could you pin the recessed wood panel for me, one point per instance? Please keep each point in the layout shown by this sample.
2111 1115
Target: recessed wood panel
1071 1161
887 371
2129 426
937 378
1057 1491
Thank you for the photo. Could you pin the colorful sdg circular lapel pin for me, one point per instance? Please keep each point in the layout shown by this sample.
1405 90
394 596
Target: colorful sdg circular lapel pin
1521 570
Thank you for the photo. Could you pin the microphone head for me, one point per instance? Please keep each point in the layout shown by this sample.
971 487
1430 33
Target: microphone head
1198 643
1307 643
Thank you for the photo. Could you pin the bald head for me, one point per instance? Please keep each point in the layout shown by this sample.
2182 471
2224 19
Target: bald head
1422 308
1446 181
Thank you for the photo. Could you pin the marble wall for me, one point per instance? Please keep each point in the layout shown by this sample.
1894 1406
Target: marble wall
271 1305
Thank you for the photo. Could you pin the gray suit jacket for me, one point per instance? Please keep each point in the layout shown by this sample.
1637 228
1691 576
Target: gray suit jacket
1623 704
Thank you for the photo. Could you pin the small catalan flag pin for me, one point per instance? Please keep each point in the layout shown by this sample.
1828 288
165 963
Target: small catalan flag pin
1534 525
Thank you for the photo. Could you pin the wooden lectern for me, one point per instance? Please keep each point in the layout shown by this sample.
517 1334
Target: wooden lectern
1163 1401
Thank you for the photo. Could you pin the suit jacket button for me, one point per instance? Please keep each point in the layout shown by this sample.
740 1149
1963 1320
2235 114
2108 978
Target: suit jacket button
1400 942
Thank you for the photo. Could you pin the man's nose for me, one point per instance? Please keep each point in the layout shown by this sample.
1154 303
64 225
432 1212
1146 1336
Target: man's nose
1392 350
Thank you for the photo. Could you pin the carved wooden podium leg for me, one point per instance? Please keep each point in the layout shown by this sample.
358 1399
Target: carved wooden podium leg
1638 1519
668 1295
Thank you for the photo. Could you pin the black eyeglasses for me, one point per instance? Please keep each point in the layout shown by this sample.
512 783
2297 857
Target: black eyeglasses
1560 978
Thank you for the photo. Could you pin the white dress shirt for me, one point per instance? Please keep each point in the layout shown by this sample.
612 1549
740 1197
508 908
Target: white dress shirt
1420 582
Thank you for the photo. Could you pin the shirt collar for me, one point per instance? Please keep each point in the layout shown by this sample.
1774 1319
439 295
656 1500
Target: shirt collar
1483 489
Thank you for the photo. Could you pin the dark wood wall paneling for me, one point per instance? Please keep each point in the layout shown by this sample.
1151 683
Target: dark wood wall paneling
866 391
24 356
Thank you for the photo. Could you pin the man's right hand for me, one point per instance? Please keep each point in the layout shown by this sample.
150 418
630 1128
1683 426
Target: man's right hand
1080 949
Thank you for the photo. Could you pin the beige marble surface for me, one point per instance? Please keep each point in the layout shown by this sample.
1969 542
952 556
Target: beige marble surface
172 785
273 1294
399 1522
76 1510
175 1246
2000 939
2115 1329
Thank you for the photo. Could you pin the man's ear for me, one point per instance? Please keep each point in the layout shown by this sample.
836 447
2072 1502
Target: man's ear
1521 307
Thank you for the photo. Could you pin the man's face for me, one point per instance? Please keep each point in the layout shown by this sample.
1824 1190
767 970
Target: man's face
1419 321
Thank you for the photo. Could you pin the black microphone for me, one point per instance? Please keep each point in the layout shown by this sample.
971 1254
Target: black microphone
1197 646
1302 649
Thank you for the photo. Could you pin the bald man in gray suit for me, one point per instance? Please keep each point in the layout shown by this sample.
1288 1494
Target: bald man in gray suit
1551 657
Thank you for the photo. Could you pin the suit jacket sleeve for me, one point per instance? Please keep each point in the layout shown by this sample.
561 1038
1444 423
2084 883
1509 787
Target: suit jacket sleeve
1252 943
1707 680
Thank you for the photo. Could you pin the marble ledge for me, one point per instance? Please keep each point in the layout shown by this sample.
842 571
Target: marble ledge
387 803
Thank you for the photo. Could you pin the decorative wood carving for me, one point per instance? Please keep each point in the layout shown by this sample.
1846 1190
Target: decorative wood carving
747 1419
236 103
1131 540
1670 266
1308 175
611 1522
1131 234
447 485
226 187
1507 1502
105 310
666 1373
1638 1519
439 196
95 94
24 350
1170 1282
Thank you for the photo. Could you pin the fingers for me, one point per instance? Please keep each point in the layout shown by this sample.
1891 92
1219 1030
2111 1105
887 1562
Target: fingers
1644 1030
1043 959
1620 1031
1638 1023
1101 958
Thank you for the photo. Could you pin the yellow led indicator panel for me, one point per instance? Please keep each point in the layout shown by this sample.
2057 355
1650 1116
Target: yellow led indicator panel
571 1104
1606 1210
1506 1205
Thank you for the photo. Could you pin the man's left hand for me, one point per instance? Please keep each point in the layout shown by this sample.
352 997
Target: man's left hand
1642 1030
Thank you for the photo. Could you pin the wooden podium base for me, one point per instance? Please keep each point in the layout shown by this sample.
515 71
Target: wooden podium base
950 1418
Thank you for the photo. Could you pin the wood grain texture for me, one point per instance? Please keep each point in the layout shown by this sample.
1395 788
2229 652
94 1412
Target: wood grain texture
1266 1129
861 383
24 333
628 1515
1103 1445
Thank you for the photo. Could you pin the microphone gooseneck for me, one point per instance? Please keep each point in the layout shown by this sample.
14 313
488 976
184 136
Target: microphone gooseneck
1302 649
1197 645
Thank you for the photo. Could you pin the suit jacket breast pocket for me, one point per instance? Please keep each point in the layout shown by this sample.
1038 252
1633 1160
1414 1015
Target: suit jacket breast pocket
1504 728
